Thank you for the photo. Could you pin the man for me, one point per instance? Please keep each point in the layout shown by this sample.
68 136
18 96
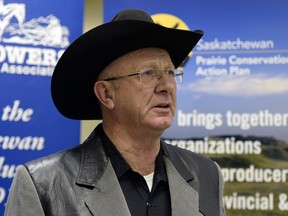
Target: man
124 73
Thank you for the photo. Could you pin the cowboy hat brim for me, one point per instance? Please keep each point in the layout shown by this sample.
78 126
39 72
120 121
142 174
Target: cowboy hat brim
79 66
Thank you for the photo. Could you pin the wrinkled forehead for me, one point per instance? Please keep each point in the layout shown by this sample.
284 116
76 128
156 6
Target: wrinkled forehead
138 59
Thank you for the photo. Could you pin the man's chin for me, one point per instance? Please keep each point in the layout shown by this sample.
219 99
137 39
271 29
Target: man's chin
161 124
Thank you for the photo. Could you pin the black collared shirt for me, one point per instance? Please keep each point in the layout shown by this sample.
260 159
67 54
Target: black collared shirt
140 200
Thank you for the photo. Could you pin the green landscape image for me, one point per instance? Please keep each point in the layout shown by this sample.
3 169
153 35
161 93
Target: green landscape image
274 155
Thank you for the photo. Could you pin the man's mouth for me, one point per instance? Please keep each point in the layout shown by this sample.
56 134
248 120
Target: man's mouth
162 106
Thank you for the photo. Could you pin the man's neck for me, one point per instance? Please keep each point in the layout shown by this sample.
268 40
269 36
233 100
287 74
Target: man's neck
140 152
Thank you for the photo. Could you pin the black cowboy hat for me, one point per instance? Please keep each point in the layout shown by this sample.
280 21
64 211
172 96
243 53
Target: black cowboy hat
78 68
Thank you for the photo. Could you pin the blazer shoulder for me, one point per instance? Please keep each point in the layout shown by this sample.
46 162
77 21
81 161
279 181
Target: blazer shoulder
53 160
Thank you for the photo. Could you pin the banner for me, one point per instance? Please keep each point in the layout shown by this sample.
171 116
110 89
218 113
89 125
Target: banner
33 36
233 104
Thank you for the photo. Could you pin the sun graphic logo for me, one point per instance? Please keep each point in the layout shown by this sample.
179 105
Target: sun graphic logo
174 22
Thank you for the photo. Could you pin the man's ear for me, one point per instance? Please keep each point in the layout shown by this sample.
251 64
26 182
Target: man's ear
104 91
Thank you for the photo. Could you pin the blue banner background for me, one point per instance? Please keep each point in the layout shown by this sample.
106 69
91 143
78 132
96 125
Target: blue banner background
34 37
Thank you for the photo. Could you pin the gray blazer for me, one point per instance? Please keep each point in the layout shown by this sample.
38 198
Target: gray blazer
81 181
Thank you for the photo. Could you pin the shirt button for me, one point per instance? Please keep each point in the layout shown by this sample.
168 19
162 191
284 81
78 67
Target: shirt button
149 204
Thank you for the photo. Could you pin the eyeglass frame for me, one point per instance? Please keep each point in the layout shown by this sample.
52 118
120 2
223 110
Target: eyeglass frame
145 70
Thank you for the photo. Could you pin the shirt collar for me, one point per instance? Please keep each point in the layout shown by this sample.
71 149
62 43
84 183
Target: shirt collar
121 166
118 162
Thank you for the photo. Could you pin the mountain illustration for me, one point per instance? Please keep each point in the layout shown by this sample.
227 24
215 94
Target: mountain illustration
46 31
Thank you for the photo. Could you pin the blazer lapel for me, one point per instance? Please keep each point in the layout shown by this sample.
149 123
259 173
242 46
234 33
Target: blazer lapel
96 172
184 199
107 197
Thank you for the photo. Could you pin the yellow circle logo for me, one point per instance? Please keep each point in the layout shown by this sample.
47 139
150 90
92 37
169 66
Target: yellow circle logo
171 21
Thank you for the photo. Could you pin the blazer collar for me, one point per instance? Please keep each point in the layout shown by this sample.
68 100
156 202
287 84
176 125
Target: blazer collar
178 163
93 160
107 197
97 173
184 198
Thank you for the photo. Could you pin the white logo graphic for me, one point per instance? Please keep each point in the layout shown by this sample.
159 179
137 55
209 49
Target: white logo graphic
46 31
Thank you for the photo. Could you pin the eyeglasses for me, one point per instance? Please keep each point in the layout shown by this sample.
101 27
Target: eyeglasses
152 76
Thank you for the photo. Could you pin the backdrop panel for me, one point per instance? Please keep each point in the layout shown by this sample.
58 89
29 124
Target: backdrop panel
33 35
233 104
